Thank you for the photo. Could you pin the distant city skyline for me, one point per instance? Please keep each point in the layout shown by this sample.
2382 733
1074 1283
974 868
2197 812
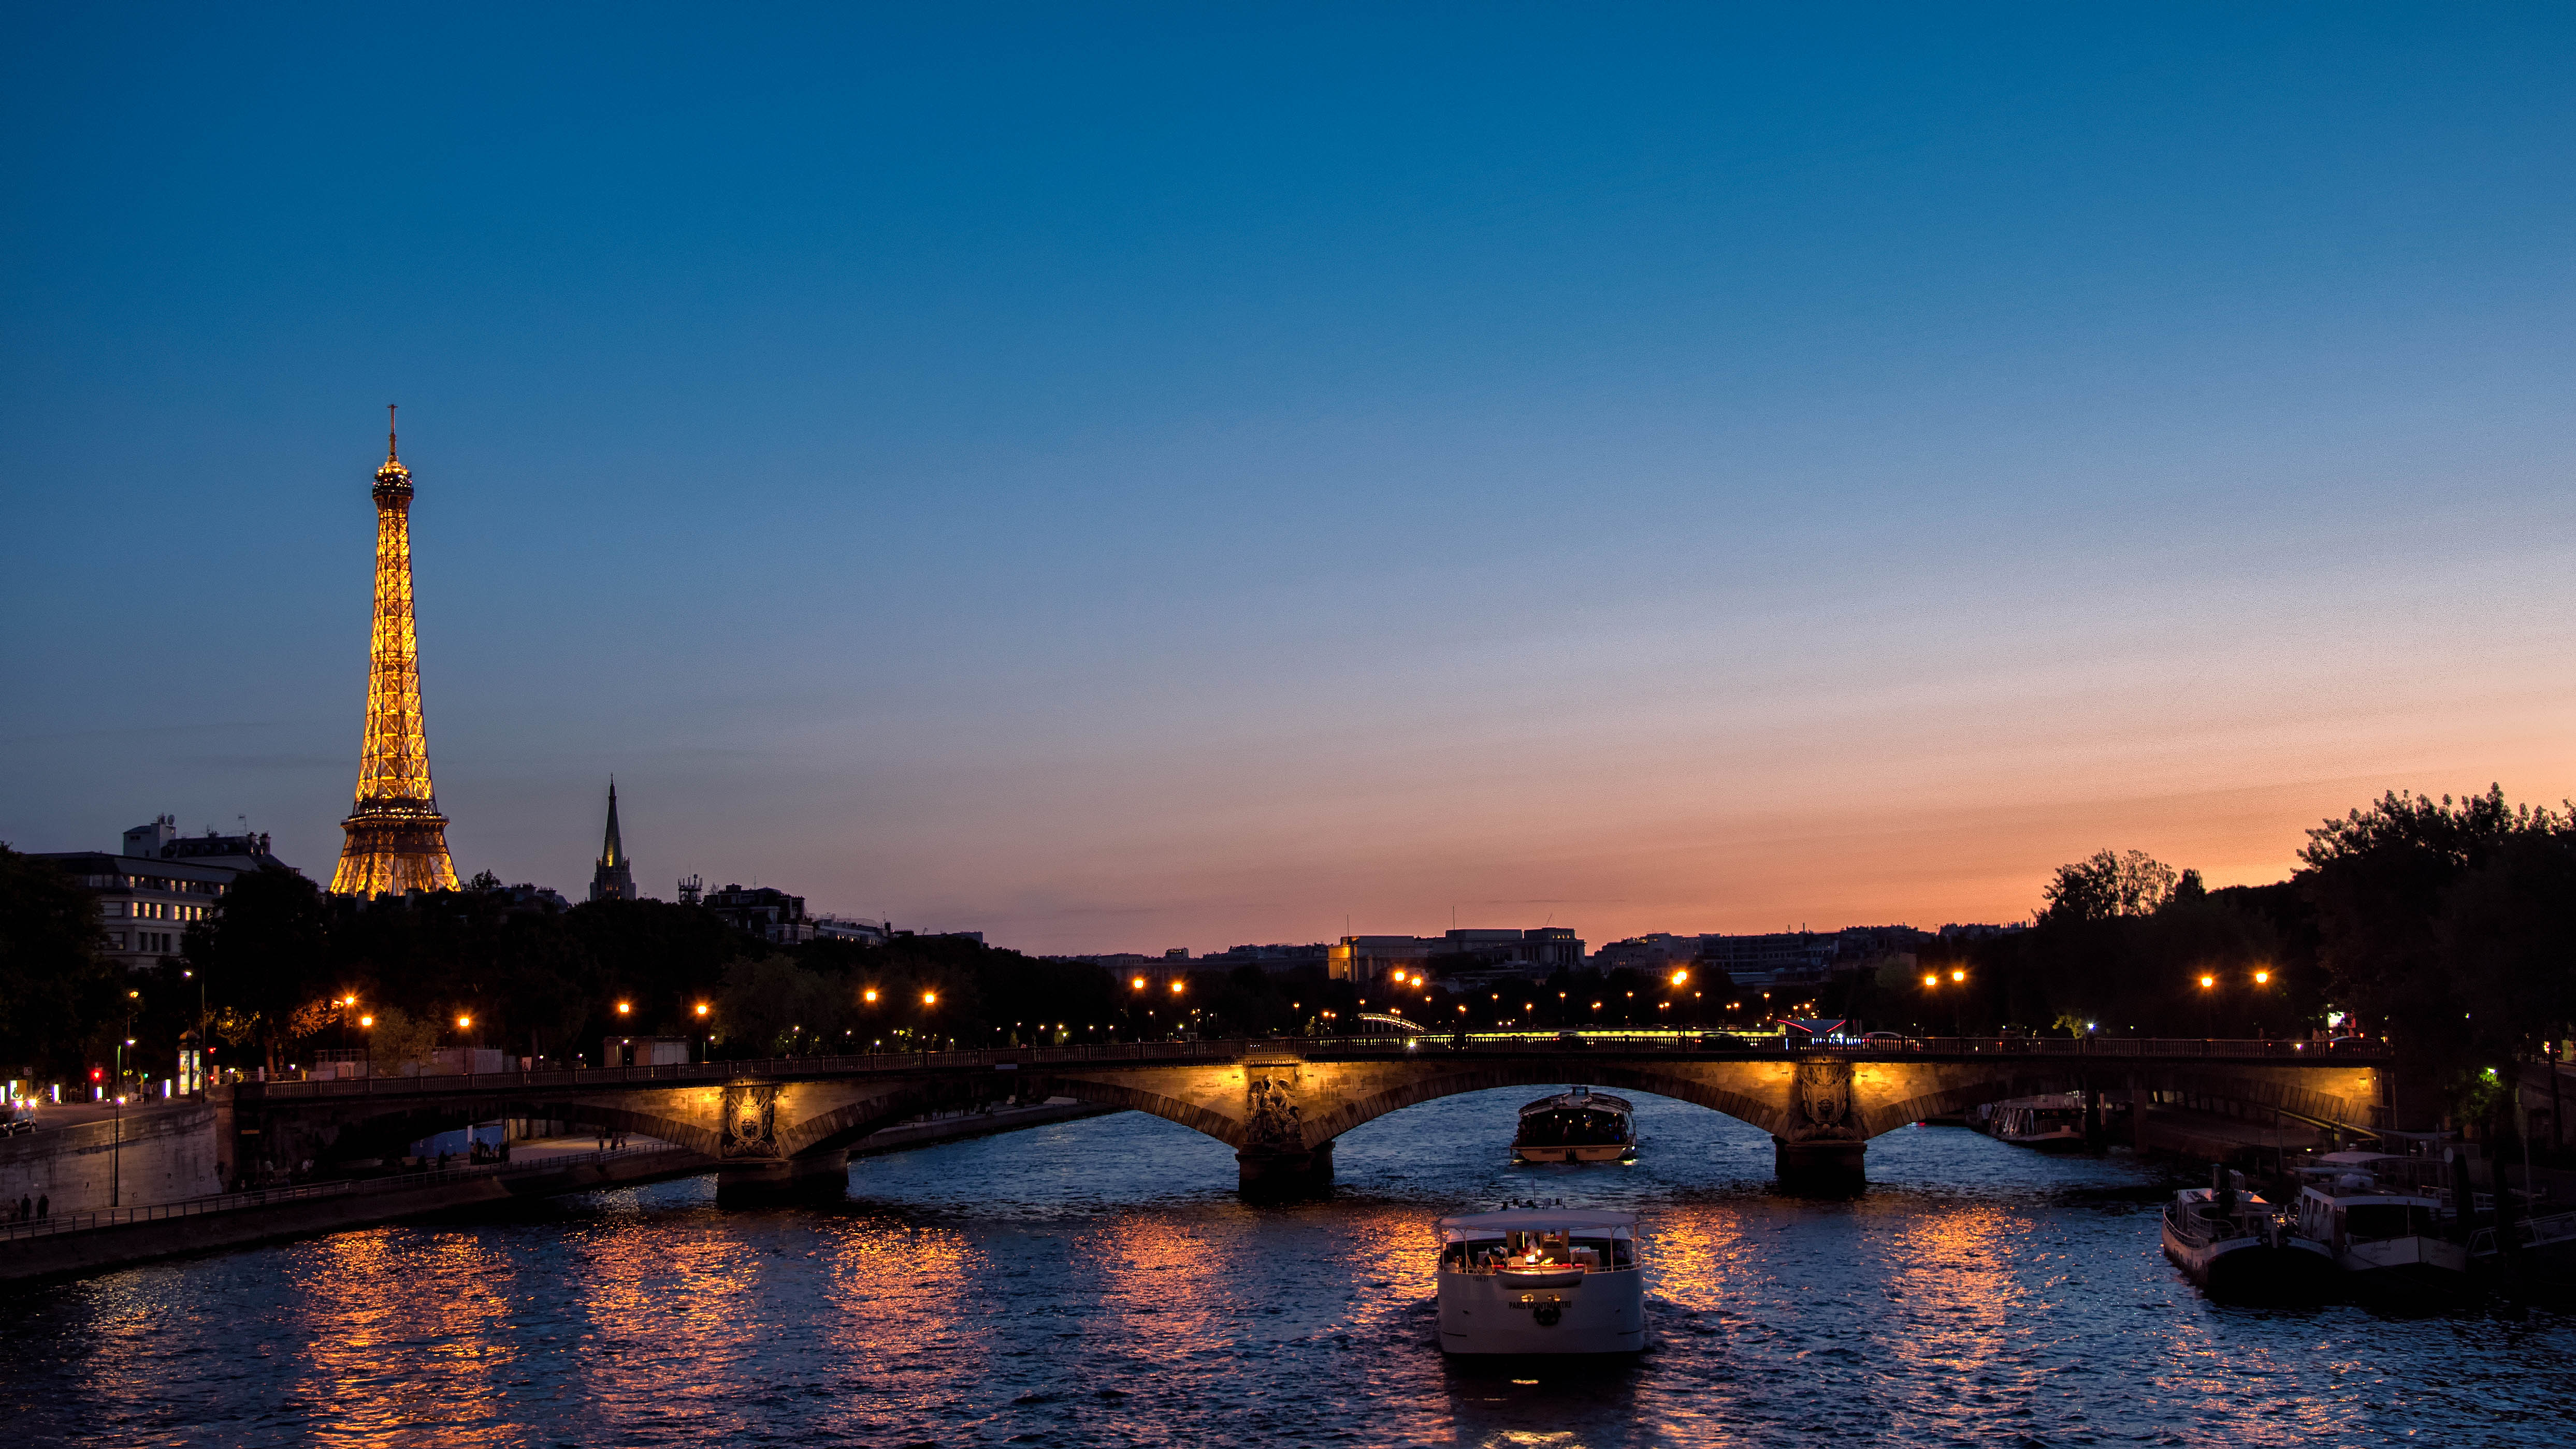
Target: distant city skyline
1127 480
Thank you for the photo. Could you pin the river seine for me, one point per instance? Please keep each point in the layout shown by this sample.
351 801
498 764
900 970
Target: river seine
1097 1283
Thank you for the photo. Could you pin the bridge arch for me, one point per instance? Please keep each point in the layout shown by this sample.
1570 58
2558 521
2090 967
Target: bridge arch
1991 1085
356 1132
846 1126
1113 1093
1487 1076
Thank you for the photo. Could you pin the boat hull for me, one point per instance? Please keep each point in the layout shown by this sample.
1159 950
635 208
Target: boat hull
1488 1313
2051 1142
2308 1271
2410 1267
2228 1268
1595 1152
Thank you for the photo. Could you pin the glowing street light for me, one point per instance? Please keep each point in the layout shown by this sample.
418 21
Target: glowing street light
1681 978
366 1021
702 1006
2262 978
1138 983
1958 976
1176 987
2206 982
930 998
869 996
623 1008
1931 980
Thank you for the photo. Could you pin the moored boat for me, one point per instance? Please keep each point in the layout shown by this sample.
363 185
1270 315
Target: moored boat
1541 1280
1581 1125
2381 1226
2223 1240
2052 1123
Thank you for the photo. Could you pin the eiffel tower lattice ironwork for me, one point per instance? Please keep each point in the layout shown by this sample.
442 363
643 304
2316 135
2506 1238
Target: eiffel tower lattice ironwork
397 839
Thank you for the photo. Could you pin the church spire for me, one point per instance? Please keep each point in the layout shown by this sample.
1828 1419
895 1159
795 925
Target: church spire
614 877
612 853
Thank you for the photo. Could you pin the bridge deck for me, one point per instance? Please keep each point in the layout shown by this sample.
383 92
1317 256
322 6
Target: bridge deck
1668 1046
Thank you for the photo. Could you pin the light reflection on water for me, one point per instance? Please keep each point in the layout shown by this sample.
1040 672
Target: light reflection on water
1097 1283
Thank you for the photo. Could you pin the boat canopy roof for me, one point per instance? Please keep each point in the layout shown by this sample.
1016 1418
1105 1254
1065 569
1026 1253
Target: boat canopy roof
1579 1097
1536 1220
2359 1159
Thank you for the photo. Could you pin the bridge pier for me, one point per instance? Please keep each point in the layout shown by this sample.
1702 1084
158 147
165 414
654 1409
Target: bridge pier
1819 1165
1274 1174
744 1180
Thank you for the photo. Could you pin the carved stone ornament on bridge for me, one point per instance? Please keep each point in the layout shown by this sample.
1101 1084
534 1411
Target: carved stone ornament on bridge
1271 1118
750 1121
1820 1104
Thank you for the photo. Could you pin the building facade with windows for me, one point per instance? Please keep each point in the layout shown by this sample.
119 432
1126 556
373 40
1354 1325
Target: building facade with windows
158 882
1463 956
769 913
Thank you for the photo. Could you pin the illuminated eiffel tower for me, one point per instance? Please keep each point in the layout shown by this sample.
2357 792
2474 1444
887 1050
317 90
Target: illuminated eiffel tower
397 839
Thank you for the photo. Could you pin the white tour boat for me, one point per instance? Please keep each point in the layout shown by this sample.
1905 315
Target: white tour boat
1541 1280
1577 1126
2383 1229
2234 1245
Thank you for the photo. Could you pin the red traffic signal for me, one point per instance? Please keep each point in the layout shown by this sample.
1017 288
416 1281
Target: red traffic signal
98 1074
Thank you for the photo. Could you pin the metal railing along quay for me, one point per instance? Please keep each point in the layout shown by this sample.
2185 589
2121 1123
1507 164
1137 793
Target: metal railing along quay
2544 1232
260 1197
1701 1044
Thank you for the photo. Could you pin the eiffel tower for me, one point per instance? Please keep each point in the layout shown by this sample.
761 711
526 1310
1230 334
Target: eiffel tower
397 839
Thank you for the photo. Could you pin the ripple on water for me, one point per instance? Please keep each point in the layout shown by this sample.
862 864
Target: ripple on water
1097 1282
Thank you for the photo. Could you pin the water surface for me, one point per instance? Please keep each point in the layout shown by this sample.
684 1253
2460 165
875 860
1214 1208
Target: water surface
1097 1283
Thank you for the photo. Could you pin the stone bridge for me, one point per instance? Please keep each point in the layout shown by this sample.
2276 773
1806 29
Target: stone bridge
1281 1104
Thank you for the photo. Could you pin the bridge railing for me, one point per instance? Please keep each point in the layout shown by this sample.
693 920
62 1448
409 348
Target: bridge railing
1701 1044
1018 1058
1000 1058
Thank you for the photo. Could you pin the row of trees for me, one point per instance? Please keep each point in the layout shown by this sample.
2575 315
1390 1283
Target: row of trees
2443 925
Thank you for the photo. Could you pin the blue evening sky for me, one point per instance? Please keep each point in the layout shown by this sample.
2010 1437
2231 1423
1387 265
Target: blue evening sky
1123 477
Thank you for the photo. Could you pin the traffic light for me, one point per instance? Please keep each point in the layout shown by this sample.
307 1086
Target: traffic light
98 1074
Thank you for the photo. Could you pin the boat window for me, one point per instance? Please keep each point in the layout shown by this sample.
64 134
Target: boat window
2386 1220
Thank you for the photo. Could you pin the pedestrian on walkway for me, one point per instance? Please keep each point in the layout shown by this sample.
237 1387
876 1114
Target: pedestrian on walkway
44 1205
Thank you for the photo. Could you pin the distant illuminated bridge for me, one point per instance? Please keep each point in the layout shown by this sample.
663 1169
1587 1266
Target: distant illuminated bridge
1281 1103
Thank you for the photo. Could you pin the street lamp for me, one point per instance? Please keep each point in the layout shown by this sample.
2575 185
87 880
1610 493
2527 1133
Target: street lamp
202 1032
1958 999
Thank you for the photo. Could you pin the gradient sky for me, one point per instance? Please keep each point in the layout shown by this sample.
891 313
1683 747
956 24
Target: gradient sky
1123 477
